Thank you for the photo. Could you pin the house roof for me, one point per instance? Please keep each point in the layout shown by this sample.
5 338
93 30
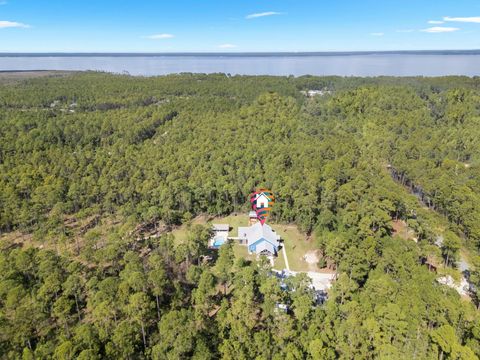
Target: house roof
264 245
220 227
256 232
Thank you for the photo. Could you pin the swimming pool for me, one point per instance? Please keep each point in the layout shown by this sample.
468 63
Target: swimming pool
219 241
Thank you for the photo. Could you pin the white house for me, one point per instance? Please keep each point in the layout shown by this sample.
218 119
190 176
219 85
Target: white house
262 200
260 239
313 93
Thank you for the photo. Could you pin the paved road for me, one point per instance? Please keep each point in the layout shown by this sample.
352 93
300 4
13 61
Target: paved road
321 281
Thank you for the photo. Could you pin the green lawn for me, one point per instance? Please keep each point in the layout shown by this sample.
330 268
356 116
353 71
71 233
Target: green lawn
180 234
297 245
234 221
295 242
241 251
279 263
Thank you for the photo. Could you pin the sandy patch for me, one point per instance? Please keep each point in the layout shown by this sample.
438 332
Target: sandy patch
311 257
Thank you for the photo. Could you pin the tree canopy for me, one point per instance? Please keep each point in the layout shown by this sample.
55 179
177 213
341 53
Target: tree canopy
94 151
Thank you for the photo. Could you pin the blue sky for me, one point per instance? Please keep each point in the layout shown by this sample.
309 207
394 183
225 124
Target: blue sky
243 25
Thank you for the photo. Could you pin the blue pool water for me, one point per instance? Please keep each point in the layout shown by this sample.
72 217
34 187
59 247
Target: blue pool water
218 241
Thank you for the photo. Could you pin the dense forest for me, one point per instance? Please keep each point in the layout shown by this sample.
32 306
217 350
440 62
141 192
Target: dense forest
117 152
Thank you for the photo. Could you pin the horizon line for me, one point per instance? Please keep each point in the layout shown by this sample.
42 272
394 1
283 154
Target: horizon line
239 53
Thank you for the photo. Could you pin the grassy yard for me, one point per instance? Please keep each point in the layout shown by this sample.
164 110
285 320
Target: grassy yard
241 251
180 234
279 263
296 243
234 221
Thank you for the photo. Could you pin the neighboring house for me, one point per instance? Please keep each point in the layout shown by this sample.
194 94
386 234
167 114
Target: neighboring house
280 307
262 200
219 235
260 239
313 93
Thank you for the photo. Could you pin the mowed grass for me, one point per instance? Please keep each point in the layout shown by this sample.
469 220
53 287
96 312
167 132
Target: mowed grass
296 243
233 220
241 251
279 262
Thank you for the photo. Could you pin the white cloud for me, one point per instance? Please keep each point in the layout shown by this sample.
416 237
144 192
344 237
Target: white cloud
377 34
440 29
433 22
227 46
257 15
160 36
405 31
12 24
3 3
475 19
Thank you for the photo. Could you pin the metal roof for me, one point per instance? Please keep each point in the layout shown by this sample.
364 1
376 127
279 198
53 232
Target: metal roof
258 231
221 227
265 245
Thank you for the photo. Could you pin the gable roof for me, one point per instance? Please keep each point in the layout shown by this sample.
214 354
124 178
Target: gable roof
264 245
262 240
256 232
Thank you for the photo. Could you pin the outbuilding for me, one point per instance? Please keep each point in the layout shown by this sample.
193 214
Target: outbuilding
219 235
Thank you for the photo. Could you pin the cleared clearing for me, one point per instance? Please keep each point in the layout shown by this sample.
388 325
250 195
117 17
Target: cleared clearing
299 246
